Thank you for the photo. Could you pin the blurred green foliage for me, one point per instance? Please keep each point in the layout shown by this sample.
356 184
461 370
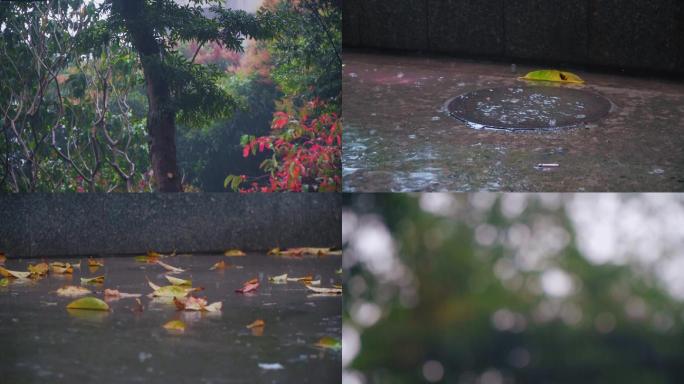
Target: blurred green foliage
459 293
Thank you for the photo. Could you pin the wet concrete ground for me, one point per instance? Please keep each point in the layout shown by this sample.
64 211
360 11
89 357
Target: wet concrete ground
398 136
42 342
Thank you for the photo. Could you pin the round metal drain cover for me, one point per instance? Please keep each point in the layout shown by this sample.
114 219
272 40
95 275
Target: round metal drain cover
529 108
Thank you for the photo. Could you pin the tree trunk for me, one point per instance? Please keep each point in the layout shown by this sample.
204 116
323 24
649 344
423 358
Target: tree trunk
161 117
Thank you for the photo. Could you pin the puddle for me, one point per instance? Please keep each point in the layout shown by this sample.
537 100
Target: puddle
522 108
42 341
393 142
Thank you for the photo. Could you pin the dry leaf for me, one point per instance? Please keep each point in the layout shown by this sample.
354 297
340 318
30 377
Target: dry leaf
324 290
234 253
273 252
280 279
175 325
256 323
4 282
93 280
14 274
171 290
196 304
315 282
95 263
328 342
257 327
115 294
61 268
73 291
249 286
3 257
220 265
138 306
305 279
170 268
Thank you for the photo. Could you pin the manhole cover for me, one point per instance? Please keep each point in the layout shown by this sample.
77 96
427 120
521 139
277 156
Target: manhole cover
528 108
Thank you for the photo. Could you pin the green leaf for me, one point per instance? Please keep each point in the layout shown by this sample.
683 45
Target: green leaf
90 303
329 343
553 75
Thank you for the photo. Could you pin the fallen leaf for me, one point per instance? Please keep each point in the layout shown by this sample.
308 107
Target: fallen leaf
280 279
93 280
220 265
315 282
170 268
73 291
40 269
553 75
2 258
308 251
138 306
170 290
304 279
273 252
153 254
115 294
146 259
234 253
175 325
339 271
329 343
91 303
196 304
177 281
61 268
249 286
325 290
4 282
95 263
256 323
14 274
257 327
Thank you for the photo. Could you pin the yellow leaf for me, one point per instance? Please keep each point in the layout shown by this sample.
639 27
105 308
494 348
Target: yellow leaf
305 279
553 75
273 252
73 291
93 280
95 263
329 343
219 265
256 323
175 325
177 281
234 252
38 270
91 303
4 282
170 268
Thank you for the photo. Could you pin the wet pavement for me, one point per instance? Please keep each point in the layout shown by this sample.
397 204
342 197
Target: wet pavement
42 342
399 136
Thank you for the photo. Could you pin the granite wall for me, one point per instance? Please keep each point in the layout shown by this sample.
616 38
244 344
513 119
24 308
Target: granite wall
623 34
38 225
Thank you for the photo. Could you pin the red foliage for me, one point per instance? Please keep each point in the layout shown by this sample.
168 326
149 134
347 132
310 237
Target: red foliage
307 151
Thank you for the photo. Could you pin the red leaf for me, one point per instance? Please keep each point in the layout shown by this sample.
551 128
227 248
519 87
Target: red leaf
248 287
245 150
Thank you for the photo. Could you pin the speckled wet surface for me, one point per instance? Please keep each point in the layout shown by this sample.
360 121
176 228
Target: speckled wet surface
399 137
42 342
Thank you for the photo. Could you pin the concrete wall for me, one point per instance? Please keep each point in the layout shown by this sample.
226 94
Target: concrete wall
630 34
40 225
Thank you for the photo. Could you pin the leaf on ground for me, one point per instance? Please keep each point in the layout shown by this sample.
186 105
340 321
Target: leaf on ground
3 257
138 308
170 290
324 290
257 327
146 259
177 281
271 366
339 271
553 75
91 303
93 280
234 253
220 265
38 270
4 282
304 279
249 286
61 268
95 263
280 279
175 325
170 268
256 323
308 251
73 291
328 342
315 282
196 304
115 294
14 274
273 252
